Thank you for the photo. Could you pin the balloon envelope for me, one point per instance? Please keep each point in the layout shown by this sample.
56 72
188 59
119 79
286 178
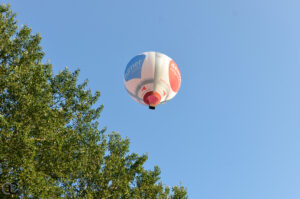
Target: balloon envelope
152 78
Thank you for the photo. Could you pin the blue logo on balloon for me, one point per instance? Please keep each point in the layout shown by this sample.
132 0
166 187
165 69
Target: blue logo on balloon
134 68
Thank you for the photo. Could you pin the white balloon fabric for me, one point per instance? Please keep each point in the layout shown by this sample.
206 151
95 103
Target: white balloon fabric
152 78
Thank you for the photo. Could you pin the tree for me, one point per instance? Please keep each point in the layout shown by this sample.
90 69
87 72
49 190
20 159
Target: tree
50 145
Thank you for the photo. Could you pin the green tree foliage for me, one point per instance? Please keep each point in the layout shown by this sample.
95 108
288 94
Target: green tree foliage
50 145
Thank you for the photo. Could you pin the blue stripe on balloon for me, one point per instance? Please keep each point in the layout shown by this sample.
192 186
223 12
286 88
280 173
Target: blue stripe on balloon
134 68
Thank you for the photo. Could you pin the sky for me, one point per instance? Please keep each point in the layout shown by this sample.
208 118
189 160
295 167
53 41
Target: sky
233 130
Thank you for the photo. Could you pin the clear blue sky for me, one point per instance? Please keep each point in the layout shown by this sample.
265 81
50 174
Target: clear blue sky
233 130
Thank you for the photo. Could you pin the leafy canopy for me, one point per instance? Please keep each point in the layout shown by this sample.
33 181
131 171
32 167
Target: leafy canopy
50 145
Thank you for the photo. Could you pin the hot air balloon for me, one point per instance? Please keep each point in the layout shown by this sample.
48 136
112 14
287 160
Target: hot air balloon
152 78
